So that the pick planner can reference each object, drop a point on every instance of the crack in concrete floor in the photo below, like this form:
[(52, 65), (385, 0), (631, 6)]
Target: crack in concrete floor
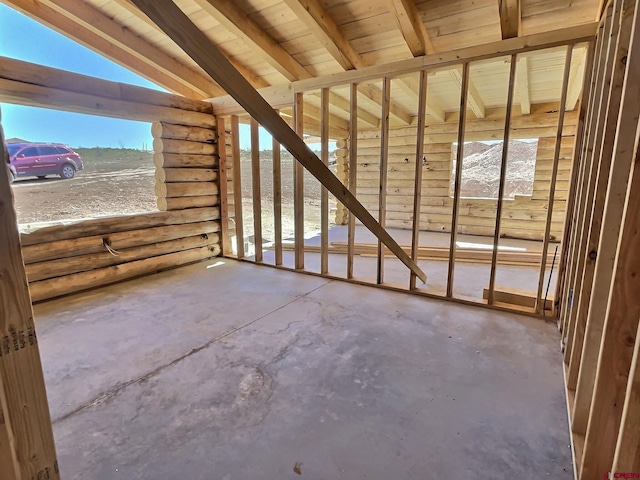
[(119, 388)]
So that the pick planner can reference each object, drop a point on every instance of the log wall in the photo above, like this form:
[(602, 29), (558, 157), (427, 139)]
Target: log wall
[(64, 259), (524, 217)]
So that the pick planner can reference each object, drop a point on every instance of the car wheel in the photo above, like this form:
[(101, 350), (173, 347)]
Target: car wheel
[(68, 171)]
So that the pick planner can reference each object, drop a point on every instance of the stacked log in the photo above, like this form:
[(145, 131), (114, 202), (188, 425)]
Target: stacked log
[(523, 217), (342, 172), (186, 166), (65, 259)]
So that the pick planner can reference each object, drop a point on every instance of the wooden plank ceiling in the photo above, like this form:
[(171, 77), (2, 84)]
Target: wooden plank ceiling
[(274, 42)]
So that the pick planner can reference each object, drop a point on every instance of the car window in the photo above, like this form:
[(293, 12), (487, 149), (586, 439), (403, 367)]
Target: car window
[(30, 152), (13, 148), (47, 150), (63, 151)]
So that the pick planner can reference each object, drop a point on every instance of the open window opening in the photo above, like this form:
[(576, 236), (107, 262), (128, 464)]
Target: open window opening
[(481, 168), (71, 166)]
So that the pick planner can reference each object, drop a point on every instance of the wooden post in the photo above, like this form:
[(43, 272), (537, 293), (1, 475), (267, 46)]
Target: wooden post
[(324, 194), (353, 172), (503, 177), (298, 186), (237, 186), (222, 189), (256, 190), (417, 188), (384, 154), (458, 178), (27, 449), (591, 230), (277, 200), (624, 146), (618, 336), (554, 176)]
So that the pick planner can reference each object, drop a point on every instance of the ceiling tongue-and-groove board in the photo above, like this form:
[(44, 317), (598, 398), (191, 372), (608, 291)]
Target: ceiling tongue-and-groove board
[(275, 42)]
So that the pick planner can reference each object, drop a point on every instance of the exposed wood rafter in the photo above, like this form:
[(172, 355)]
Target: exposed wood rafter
[(522, 80), (375, 95), (254, 79), (314, 16), (312, 13), (237, 22), (178, 26), (510, 18), (344, 105), (91, 28), (412, 27), (411, 86), (474, 100)]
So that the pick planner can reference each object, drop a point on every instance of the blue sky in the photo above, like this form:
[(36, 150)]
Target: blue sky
[(25, 39)]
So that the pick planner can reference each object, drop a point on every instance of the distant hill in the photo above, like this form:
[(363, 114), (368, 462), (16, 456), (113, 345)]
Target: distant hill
[(481, 169)]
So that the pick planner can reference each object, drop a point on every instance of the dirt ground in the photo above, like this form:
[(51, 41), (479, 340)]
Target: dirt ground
[(114, 182), (312, 191), (121, 182)]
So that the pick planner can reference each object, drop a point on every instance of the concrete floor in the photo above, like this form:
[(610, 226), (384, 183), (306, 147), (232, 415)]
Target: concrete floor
[(227, 370), (469, 278)]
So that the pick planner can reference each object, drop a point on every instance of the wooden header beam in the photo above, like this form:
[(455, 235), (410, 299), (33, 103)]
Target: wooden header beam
[(180, 28)]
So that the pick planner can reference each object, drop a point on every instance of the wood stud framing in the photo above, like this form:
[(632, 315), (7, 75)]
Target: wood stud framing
[(599, 308), (256, 190), (464, 90), (277, 201), (193, 178), (324, 194), (237, 186), (353, 172), (384, 153), (503, 177), (298, 185), (556, 156), (417, 195)]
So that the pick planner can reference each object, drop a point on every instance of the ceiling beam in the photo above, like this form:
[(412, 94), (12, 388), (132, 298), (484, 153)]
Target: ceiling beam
[(91, 28), (344, 105), (178, 26), (522, 80), (375, 95), (412, 27), (410, 85), (237, 22), (473, 97), (325, 29), (510, 18), (314, 111), (254, 79)]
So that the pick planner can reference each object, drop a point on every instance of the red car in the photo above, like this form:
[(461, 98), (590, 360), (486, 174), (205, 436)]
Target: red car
[(42, 159)]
